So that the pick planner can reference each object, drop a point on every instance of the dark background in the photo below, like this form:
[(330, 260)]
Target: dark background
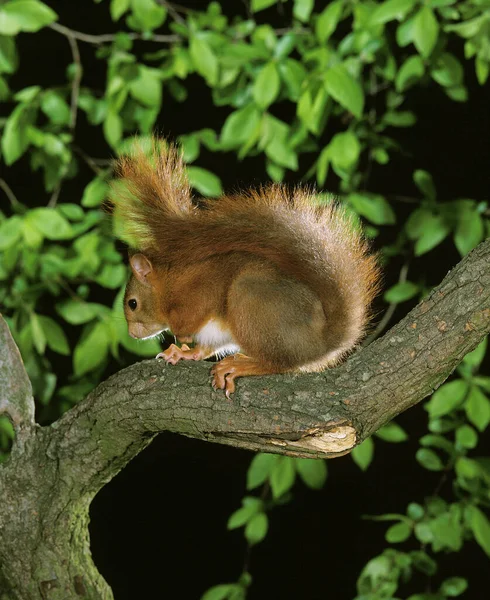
[(159, 528)]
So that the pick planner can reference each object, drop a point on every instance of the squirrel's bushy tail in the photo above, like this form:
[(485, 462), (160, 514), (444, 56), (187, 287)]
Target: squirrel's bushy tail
[(150, 186)]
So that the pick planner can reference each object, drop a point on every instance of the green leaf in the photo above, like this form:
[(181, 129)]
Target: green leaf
[(398, 533), (55, 336), (223, 591), (470, 28), (415, 511), (282, 476), (312, 471), (256, 529), (458, 93), (478, 408), (447, 398), (483, 382), (257, 5), (344, 150), (9, 59), (399, 119), (95, 193), (363, 454), (437, 441), (448, 531), (448, 71), (6, 427), (425, 31), (345, 89), (466, 437), (92, 350), (327, 20), (24, 15), (293, 74), (50, 223), (204, 60), (266, 86), (423, 562), (434, 232), (32, 236), (275, 172), (482, 69), (118, 8), (476, 356), (38, 336), (302, 9), (77, 312), (113, 128), (260, 469), (285, 46), (392, 432), (400, 292), (55, 107), (275, 136), (453, 586), (205, 182), (405, 31), (323, 163), (409, 73), (481, 528), (311, 109), (423, 180), (250, 507), (467, 468), (240, 126), (429, 459), (15, 140), (423, 532), (147, 87), (149, 14), (10, 232), (111, 276), (373, 207), (470, 230), (391, 10)]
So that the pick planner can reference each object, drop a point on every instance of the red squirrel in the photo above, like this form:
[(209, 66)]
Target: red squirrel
[(268, 272)]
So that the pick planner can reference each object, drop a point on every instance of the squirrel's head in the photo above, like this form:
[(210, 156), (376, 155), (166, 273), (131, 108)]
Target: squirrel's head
[(142, 307)]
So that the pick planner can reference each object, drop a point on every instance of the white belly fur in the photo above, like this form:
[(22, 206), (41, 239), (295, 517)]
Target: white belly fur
[(214, 336)]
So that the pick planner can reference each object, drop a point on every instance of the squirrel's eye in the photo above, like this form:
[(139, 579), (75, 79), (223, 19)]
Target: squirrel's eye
[(132, 304)]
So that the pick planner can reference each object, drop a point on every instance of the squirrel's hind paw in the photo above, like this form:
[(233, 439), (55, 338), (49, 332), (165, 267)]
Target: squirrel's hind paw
[(225, 371)]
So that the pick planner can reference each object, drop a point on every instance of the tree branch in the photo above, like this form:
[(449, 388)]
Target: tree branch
[(16, 399), (58, 470), (110, 37)]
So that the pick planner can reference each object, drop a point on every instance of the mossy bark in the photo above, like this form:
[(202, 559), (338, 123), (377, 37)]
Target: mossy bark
[(53, 473)]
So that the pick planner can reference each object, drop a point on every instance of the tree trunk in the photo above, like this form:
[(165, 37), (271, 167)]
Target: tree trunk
[(53, 473)]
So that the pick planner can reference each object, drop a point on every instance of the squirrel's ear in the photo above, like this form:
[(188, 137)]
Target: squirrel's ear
[(141, 267)]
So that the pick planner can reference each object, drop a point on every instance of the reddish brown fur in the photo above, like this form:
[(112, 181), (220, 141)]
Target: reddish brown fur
[(208, 261)]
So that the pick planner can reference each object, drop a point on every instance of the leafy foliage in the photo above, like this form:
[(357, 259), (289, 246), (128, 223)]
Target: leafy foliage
[(344, 74)]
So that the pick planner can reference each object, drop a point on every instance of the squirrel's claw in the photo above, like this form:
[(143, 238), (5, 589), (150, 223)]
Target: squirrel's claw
[(173, 354)]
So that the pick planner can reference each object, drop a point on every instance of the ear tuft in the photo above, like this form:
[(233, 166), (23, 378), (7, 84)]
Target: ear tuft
[(141, 267)]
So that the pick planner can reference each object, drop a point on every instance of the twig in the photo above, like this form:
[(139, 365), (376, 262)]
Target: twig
[(389, 311), (77, 78), (180, 8), (405, 199), (54, 196), (9, 193), (172, 11), (110, 37), (91, 162)]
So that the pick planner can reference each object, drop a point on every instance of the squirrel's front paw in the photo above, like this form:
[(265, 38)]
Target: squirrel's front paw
[(173, 354)]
